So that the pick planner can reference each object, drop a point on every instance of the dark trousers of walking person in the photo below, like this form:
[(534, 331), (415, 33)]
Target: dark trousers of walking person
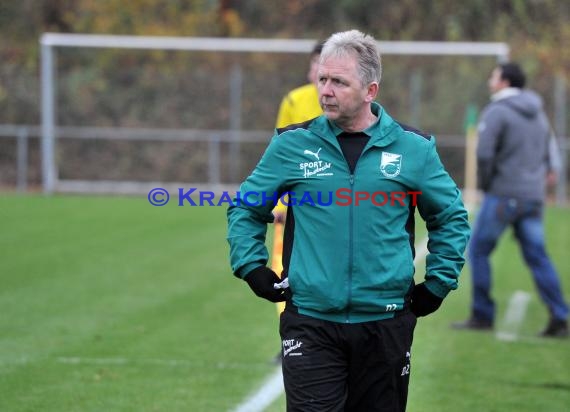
[(526, 217), (346, 367)]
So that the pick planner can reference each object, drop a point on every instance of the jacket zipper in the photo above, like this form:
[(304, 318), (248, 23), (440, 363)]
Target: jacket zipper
[(351, 234), (350, 245)]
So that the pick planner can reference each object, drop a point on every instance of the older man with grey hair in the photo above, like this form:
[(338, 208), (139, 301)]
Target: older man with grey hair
[(355, 178)]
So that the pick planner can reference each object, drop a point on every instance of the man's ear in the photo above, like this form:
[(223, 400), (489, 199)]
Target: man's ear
[(372, 92)]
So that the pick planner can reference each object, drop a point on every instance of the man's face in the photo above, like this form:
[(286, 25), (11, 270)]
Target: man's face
[(495, 82), (341, 93)]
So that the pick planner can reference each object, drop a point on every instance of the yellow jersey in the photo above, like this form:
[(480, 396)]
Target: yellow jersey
[(298, 105)]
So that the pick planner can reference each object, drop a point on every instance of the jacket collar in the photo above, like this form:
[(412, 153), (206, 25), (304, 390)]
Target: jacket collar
[(381, 132), (505, 93)]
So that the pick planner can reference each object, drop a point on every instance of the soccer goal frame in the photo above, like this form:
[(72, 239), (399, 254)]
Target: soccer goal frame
[(50, 42)]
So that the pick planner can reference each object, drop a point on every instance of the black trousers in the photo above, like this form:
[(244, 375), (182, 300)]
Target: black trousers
[(329, 366)]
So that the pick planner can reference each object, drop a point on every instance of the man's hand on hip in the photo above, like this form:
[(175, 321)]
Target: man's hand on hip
[(261, 281), (423, 301)]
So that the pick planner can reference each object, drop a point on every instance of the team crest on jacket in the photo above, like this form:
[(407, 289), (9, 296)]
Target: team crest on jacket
[(390, 164)]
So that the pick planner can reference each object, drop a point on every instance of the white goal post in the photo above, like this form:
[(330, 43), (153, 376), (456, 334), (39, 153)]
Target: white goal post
[(51, 41)]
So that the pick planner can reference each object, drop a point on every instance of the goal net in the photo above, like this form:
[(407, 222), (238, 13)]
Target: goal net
[(128, 113)]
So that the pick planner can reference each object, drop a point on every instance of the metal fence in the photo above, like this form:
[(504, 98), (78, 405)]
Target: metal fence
[(130, 160)]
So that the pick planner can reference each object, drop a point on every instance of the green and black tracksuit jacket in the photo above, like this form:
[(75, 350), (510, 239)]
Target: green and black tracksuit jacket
[(349, 236)]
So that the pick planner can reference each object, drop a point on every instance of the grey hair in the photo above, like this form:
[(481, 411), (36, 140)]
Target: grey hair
[(360, 45)]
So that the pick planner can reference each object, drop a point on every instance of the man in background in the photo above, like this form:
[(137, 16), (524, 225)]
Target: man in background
[(302, 103), (516, 157)]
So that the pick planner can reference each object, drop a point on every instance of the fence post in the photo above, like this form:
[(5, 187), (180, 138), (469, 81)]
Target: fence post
[(470, 183), (22, 159), (214, 164), (48, 117), (236, 85), (416, 80), (560, 128)]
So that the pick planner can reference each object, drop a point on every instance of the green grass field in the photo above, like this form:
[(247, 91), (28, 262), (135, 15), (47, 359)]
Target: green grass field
[(110, 304)]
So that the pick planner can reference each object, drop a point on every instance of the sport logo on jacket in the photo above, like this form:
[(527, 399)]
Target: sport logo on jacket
[(317, 167), (390, 164), (316, 154)]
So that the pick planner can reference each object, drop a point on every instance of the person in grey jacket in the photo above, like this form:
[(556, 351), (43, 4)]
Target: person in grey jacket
[(516, 157)]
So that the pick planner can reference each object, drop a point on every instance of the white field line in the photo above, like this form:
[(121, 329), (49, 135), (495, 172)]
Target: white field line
[(185, 363), (273, 387), (122, 361), (515, 314), (421, 250), (514, 317), (264, 396)]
